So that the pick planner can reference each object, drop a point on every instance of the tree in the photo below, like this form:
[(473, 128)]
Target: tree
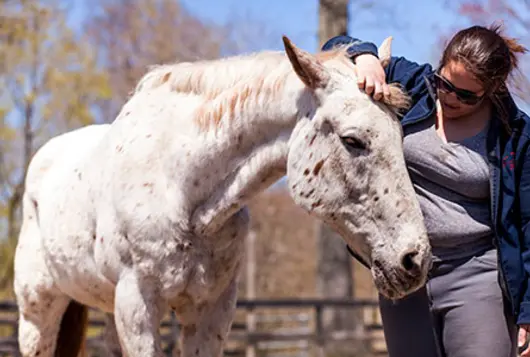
[(49, 81), (333, 19), (133, 38)]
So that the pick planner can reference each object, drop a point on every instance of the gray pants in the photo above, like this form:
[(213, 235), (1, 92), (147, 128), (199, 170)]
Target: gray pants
[(460, 313)]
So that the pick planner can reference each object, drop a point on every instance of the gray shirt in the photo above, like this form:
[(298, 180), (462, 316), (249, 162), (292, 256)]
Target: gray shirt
[(452, 184)]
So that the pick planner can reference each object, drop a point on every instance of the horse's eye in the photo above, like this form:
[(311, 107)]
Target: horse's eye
[(353, 143)]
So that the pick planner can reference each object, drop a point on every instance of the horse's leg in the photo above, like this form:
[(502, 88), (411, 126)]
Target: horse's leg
[(41, 305), (110, 337), (206, 338), (50, 323), (39, 323), (137, 312)]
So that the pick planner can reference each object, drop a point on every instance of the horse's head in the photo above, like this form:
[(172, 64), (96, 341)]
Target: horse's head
[(346, 166)]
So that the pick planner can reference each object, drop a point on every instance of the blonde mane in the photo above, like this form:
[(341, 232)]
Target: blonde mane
[(209, 78), (229, 83)]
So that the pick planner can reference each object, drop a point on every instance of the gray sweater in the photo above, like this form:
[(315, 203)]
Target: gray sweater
[(452, 185)]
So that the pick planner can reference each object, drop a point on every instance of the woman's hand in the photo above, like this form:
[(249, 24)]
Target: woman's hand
[(522, 340), (371, 76)]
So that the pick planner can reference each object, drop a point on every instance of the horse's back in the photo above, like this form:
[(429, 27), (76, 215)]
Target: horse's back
[(31, 270), (60, 151)]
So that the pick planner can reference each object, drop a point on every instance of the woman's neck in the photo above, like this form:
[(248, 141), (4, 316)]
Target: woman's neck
[(456, 129)]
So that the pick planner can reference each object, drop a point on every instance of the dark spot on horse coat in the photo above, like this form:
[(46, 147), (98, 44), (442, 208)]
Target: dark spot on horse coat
[(312, 139), (385, 191), (306, 172), (316, 204), (317, 167), (196, 183)]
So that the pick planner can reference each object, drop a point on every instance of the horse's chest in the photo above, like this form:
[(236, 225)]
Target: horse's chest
[(207, 276), (196, 268)]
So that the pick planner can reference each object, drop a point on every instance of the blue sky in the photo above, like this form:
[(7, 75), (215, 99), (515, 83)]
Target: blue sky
[(415, 27), (414, 24)]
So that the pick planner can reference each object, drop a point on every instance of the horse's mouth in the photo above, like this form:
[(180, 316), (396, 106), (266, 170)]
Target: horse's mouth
[(393, 285)]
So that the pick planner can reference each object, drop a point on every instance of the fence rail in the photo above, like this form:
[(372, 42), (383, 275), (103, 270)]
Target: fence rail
[(294, 331)]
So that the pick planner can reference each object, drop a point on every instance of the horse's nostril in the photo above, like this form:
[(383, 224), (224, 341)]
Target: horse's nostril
[(409, 261)]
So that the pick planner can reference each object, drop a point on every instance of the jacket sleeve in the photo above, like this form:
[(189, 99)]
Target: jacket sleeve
[(400, 70), (524, 199)]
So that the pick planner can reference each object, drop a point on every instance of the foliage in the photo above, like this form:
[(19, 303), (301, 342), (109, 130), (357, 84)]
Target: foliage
[(133, 38), (49, 81)]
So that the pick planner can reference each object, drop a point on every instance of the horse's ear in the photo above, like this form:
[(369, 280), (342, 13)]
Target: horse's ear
[(385, 51), (306, 66)]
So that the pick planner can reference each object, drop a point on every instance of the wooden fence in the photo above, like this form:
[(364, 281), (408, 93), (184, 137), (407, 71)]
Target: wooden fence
[(282, 327)]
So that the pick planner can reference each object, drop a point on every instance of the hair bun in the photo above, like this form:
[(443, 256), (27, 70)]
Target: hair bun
[(514, 47)]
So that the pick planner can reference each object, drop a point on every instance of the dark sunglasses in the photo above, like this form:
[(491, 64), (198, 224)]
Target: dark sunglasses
[(464, 96)]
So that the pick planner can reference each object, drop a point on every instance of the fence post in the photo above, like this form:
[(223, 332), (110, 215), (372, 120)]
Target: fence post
[(251, 292), (319, 330)]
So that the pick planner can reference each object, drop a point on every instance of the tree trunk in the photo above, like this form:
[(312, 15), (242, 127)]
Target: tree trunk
[(332, 19)]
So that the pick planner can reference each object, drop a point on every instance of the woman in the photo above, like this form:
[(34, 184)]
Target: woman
[(466, 147)]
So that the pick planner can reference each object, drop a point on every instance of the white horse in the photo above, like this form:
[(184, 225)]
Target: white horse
[(149, 213)]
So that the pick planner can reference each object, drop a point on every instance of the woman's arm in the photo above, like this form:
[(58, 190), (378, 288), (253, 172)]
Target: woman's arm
[(400, 70), (524, 199), (523, 319)]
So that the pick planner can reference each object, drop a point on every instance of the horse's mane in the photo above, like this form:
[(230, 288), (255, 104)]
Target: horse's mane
[(211, 77), (243, 78)]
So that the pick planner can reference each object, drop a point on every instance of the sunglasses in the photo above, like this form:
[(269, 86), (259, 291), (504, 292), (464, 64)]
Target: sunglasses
[(464, 96)]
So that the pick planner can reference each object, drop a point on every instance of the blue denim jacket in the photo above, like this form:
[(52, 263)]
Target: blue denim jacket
[(509, 161)]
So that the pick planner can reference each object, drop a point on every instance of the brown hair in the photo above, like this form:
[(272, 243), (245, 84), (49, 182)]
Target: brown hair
[(489, 56)]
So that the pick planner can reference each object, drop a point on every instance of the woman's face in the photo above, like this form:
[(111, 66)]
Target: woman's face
[(459, 92)]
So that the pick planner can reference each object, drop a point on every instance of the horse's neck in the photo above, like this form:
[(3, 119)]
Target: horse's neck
[(254, 154)]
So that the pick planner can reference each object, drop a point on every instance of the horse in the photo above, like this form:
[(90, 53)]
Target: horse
[(149, 213)]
